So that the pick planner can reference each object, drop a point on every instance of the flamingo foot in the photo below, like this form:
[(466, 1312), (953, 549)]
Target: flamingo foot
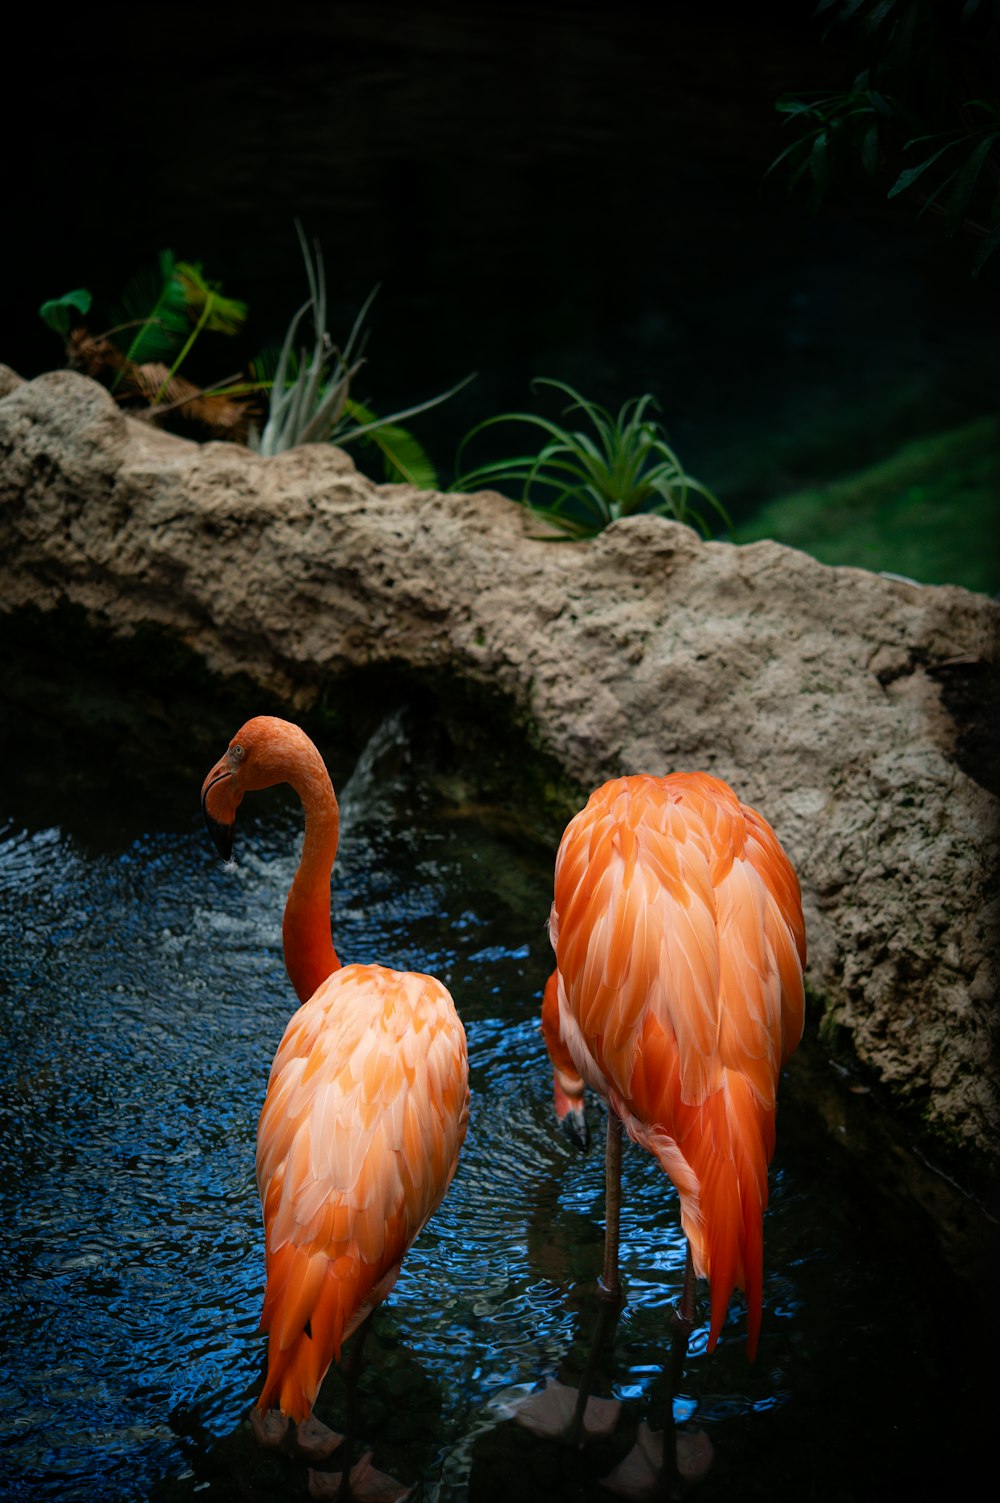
[(366, 1484), (314, 1440), (639, 1477), (549, 1413), (270, 1427)]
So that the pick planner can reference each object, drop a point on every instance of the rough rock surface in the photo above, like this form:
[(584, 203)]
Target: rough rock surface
[(843, 704)]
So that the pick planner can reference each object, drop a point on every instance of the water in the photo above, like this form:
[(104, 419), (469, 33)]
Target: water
[(143, 998)]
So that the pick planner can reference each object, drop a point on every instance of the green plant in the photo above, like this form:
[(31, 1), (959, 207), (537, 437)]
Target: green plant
[(968, 151), (157, 319), (310, 390), (204, 302), (58, 311), (912, 111), (403, 456), (834, 129), (624, 467)]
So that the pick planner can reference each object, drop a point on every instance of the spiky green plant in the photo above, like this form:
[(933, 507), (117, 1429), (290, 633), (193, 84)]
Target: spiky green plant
[(310, 389), (588, 480), (403, 457)]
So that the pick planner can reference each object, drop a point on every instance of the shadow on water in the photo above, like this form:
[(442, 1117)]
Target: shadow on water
[(144, 996)]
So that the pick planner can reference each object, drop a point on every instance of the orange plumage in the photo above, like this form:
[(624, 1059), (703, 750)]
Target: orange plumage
[(365, 1113), (679, 940), (368, 1100)]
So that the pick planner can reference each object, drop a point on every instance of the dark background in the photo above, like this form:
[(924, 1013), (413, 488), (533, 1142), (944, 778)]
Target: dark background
[(563, 190)]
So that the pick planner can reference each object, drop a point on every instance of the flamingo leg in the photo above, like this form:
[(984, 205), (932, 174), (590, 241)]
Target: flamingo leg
[(358, 1481), (560, 1412), (661, 1468), (352, 1372), (683, 1320), (609, 1289)]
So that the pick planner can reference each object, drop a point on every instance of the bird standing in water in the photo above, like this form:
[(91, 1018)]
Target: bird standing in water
[(679, 941), (365, 1112)]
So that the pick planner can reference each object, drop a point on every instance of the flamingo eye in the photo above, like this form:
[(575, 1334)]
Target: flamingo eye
[(237, 752)]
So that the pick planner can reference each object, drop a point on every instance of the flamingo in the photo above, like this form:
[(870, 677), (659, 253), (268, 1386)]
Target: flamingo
[(679, 940), (365, 1113)]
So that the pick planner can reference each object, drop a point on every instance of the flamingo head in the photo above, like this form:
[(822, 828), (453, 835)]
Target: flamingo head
[(256, 757)]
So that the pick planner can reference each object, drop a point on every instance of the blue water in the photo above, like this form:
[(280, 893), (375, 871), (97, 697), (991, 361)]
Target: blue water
[(143, 998)]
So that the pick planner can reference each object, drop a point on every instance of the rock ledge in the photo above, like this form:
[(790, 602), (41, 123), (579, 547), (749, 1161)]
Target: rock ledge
[(847, 706)]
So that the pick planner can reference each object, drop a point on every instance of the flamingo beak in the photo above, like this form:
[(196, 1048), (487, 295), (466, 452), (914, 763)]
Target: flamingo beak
[(219, 807)]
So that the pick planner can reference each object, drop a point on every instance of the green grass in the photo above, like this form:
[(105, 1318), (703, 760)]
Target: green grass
[(931, 512)]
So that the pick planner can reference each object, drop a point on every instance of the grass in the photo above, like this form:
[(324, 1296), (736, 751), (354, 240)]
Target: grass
[(930, 512)]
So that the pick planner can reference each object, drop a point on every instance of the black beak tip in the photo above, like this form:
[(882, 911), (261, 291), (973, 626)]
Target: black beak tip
[(220, 831), (222, 835)]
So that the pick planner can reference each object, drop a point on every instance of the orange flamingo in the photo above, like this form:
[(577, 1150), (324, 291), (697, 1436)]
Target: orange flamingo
[(679, 941), (365, 1113)]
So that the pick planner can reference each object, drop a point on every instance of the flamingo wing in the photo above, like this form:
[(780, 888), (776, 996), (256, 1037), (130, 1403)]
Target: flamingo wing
[(365, 1114), (679, 946)]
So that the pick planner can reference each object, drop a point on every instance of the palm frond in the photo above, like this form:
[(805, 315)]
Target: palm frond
[(403, 456), (153, 305), (205, 302), (204, 299)]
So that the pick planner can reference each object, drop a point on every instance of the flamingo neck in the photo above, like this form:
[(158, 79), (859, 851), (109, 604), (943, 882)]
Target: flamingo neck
[(308, 943)]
